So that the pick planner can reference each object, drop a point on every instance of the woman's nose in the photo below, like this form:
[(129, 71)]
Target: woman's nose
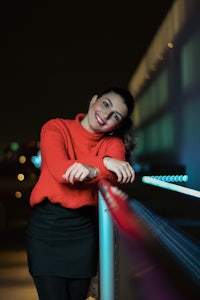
[(106, 114)]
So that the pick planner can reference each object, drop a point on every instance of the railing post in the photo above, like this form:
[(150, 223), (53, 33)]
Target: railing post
[(106, 248)]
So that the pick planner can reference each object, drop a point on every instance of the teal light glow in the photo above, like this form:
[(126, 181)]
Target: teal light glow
[(170, 186), (36, 159), (171, 178)]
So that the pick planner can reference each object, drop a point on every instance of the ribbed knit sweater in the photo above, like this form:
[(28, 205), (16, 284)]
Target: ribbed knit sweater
[(63, 142)]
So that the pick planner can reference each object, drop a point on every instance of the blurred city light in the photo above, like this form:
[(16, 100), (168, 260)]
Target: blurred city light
[(36, 159), (20, 177), (170, 186), (22, 159)]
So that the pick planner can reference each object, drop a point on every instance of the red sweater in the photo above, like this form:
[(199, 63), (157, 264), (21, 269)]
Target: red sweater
[(63, 142)]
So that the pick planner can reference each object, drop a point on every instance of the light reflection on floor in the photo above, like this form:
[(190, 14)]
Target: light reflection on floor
[(15, 281)]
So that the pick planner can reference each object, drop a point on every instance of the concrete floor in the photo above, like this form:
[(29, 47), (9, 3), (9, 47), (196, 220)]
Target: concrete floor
[(15, 281)]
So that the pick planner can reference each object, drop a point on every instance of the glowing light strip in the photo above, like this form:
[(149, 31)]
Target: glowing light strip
[(184, 249), (171, 186), (171, 178)]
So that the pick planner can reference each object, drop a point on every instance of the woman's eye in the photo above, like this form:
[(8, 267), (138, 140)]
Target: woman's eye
[(105, 104), (116, 117)]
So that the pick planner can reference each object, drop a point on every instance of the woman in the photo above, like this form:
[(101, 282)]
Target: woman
[(62, 234)]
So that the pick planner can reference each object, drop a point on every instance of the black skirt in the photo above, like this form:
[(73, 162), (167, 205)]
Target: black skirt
[(61, 241)]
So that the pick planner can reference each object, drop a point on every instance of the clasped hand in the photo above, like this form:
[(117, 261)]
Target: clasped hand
[(78, 172), (123, 170)]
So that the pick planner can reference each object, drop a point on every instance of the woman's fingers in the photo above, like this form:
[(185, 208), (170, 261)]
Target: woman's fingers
[(76, 172), (125, 173)]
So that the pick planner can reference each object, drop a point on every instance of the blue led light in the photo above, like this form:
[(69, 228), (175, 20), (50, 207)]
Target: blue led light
[(170, 186), (36, 160), (171, 178)]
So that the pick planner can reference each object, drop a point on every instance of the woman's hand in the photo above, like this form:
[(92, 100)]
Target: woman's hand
[(79, 172), (123, 170)]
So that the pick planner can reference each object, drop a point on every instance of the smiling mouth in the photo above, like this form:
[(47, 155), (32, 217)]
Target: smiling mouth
[(99, 120)]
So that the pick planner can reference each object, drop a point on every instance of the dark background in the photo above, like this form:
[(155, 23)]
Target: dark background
[(55, 56)]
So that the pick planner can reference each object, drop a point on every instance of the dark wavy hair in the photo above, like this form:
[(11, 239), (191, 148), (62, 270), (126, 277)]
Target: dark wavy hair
[(126, 130)]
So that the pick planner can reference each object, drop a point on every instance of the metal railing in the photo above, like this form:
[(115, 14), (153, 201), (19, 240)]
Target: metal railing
[(146, 271)]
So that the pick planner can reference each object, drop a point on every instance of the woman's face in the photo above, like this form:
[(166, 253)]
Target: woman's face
[(106, 113)]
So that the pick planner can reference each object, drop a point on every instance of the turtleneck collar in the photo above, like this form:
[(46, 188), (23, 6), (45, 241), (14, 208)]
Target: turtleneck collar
[(83, 131)]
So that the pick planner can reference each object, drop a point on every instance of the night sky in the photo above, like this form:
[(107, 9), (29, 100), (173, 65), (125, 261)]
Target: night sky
[(55, 57)]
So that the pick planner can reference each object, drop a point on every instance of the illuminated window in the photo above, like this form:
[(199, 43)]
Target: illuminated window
[(153, 98), (189, 56)]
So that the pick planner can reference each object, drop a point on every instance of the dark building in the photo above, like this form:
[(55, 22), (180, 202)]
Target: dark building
[(167, 90)]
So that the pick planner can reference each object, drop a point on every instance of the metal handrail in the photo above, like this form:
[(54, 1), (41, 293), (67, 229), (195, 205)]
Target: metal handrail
[(106, 248)]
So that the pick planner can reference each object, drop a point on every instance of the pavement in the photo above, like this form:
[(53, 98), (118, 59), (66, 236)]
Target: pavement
[(15, 281)]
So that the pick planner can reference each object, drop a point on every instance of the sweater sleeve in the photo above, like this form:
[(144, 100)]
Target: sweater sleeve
[(112, 147), (54, 152)]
